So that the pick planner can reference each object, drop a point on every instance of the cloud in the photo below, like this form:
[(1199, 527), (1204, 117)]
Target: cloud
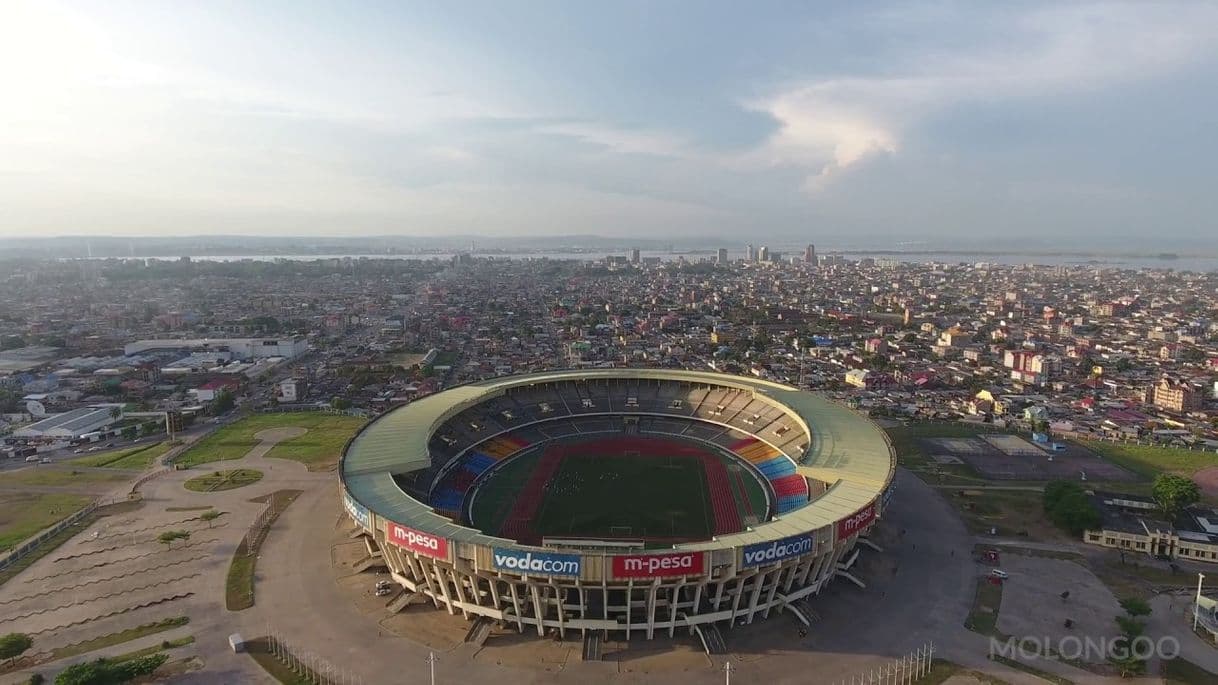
[(827, 125), (619, 139)]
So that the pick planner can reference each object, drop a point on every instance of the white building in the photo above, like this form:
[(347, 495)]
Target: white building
[(239, 348), (291, 390), (72, 424)]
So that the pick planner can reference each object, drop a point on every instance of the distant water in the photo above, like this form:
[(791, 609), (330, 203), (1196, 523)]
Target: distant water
[(1201, 264)]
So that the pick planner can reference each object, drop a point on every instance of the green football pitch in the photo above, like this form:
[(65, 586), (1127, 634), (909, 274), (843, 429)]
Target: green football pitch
[(657, 495)]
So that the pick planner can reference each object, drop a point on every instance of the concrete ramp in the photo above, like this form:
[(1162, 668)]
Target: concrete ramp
[(369, 563), (592, 645), (479, 631)]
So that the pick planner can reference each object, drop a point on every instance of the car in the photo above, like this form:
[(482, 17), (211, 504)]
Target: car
[(999, 573), (109, 444), (45, 460), (94, 448), (31, 458), (78, 451)]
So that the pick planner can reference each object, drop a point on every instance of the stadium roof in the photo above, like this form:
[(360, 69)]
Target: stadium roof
[(847, 451)]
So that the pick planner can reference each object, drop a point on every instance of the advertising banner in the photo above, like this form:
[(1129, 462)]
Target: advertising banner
[(358, 511), (850, 526), (416, 541), (773, 552), (535, 563), (658, 565)]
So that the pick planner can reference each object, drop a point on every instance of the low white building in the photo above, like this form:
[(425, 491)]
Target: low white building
[(71, 424), (239, 348)]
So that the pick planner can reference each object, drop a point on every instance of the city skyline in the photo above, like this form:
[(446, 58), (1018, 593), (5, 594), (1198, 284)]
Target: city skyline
[(1038, 125)]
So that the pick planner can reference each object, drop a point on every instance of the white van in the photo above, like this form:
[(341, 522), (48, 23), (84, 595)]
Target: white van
[(31, 458)]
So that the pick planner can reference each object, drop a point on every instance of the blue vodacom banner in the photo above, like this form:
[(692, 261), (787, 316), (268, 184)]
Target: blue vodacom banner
[(773, 552), (358, 511), (536, 563)]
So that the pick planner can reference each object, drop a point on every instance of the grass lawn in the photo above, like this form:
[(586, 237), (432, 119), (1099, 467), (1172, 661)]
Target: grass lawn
[(1149, 461), (51, 476), (140, 457), (120, 637), (24, 514), (319, 448), (1180, 672), (167, 644), (1015, 513), (223, 480), (984, 616), (259, 650)]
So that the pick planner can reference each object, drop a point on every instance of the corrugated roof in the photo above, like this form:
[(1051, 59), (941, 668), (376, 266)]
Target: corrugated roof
[(847, 450)]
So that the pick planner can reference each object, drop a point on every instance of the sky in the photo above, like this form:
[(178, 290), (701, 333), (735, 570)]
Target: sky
[(905, 124)]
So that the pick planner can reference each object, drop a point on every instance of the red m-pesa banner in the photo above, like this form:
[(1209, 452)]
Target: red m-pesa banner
[(658, 565), (416, 541), (856, 522)]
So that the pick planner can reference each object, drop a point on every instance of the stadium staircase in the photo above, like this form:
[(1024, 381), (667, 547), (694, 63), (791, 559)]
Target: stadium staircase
[(368, 563), (400, 601), (479, 631), (593, 639), (712, 639)]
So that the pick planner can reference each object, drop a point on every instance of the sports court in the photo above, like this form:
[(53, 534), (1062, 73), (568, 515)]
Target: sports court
[(660, 490), (1011, 457)]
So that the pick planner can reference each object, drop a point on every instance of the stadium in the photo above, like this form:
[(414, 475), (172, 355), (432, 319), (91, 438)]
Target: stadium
[(617, 501)]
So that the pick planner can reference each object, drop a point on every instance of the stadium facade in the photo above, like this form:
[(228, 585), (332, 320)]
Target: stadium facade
[(409, 476)]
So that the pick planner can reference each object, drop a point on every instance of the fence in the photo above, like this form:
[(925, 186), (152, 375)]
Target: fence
[(15, 554), (908, 669), (306, 664), (259, 528)]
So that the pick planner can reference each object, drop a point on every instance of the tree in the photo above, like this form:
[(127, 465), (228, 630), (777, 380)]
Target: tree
[(223, 402), (340, 403), (1135, 606), (167, 538), (105, 672), (1069, 508), (1174, 493), (116, 413), (209, 516), (14, 645)]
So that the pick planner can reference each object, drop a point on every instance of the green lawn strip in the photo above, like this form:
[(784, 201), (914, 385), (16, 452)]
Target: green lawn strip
[(25, 514), (223, 480), (1032, 670), (135, 457), (983, 617), (167, 644), (54, 476), (51, 544), (118, 638), (327, 435), (259, 650), (1181, 672), (239, 583), (941, 671), (1149, 461)]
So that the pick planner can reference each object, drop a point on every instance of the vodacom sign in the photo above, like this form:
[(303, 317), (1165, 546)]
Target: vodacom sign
[(416, 541)]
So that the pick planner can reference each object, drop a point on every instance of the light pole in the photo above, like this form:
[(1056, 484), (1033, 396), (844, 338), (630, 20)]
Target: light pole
[(431, 660), (1197, 601), (727, 673)]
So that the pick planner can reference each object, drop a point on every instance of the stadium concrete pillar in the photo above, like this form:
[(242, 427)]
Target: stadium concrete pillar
[(719, 593), (769, 599), (583, 607), (448, 600), (516, 607), (494, 583), (459, 587), (698, 597), (629, 602), (758, 582), (736, 599), (537, 611), (651, 607), (672, 607), (562, 614)]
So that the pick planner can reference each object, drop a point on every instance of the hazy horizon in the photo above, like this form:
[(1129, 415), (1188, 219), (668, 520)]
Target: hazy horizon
[(1034, 124)]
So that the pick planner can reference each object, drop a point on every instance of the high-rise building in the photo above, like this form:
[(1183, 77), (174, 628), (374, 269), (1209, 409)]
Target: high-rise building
[(750, 253), (763, 254), (810, 254), (634, 256), (721, 256)]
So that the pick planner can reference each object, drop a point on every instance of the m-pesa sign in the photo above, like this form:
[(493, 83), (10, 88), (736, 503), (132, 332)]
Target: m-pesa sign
[(424, 543), (658, 565), (849, 526)]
